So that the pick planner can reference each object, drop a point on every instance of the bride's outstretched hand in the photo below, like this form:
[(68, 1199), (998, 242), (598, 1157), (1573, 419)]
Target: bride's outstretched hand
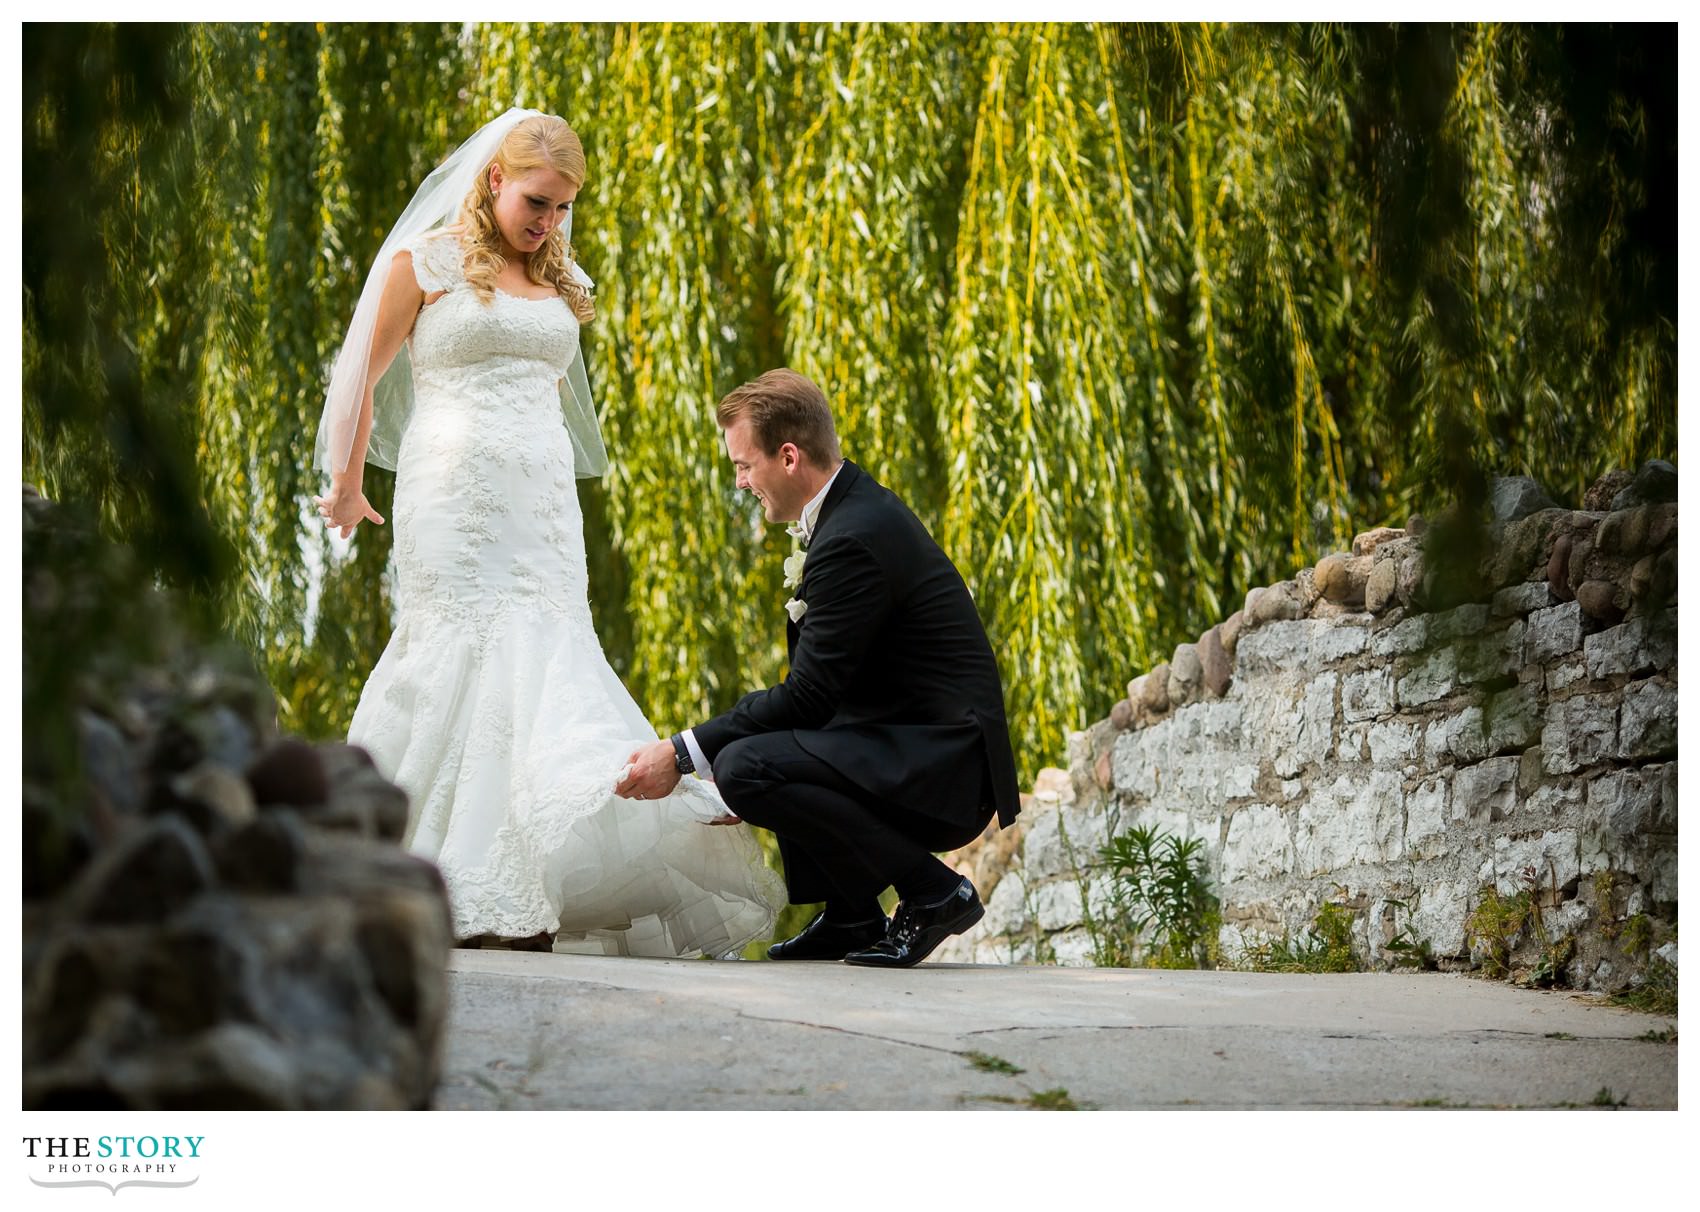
[(344, 509)]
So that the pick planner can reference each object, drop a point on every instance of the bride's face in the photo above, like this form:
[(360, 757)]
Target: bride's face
[(531, 205)]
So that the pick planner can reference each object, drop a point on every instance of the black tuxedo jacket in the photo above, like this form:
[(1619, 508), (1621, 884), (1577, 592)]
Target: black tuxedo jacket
[(892, 680)]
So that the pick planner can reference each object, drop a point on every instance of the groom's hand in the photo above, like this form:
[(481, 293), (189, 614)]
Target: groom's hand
[(651, 773)]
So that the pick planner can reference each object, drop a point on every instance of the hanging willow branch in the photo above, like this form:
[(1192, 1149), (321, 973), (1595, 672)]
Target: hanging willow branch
[(1134, 317)]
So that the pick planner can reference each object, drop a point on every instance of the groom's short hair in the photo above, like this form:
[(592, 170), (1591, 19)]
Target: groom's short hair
[(783, 406)]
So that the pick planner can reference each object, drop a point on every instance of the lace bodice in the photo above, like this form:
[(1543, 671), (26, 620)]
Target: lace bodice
[(491, 351)]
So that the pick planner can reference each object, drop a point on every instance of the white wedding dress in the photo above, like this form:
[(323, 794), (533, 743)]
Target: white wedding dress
[(493, 705)]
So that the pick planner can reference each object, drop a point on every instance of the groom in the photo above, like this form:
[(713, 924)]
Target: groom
[(887, 740)]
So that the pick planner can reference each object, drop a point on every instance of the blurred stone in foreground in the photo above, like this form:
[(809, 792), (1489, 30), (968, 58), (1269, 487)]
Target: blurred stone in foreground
[(214, 917)]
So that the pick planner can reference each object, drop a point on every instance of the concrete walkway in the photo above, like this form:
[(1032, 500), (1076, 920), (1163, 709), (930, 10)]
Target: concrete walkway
[(556, 1031)]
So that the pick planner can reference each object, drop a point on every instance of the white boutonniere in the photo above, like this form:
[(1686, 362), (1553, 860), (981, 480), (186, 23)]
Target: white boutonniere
[(794, 568), (795, 608)]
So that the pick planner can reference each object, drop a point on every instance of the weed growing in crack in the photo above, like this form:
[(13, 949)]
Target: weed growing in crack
[(1053, 1100), (987, 1063)]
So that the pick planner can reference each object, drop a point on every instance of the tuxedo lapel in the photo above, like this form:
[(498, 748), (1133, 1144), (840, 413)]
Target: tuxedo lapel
[(847, 475)]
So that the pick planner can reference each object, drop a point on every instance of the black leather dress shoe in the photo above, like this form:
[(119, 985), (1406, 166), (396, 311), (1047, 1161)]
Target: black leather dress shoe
[(824, 940), (915, 933)]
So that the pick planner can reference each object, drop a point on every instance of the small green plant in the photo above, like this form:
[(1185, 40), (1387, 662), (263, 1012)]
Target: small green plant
[(1637, 938), (1605, 884), (1161, 890), (1665, 1035), (1052, 1100), (1559, 1035), (1325, 947), (1555, 958), (1408, 950), (1654, 995), (1044, 1100), (1556, 954), (1603, 1097), (987, 1063), (1496, 922)]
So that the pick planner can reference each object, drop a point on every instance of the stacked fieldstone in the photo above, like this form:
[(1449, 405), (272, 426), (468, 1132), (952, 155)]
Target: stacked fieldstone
[(214, 917), (1359, 734)]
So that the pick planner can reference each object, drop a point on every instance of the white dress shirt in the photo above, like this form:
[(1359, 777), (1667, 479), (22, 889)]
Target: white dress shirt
[(804, 529)]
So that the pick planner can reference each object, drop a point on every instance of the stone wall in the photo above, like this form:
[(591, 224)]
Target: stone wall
[(1362, 734), (214, 916)]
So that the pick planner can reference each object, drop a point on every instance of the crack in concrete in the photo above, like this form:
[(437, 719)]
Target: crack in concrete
[(884, 1039), (1477, 1033)]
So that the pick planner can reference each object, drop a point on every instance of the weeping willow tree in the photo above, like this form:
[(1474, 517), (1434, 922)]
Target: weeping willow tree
[(1134, 317)]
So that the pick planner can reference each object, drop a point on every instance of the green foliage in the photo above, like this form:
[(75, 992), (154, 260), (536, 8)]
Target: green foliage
[(1550, 967), (1656, 994), (117, 284), (1325, 947), (1637, 937), (1605, 888), (1052, 1100), (1498, 922), (1152, 905), (1136, 317), (987, 1063), (1038, 1100), (1495, 923), (1407, 950), (1160, 890)]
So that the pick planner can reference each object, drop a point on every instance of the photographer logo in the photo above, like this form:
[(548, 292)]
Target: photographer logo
[(113, 1162)]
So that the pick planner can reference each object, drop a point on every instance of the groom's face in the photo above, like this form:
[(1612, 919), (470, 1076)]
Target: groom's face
[(773, 479)]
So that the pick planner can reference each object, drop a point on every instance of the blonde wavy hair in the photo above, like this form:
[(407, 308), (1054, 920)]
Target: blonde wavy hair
[(541, 142)]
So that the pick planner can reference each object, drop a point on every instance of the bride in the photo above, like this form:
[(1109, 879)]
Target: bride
[(493, 705)]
